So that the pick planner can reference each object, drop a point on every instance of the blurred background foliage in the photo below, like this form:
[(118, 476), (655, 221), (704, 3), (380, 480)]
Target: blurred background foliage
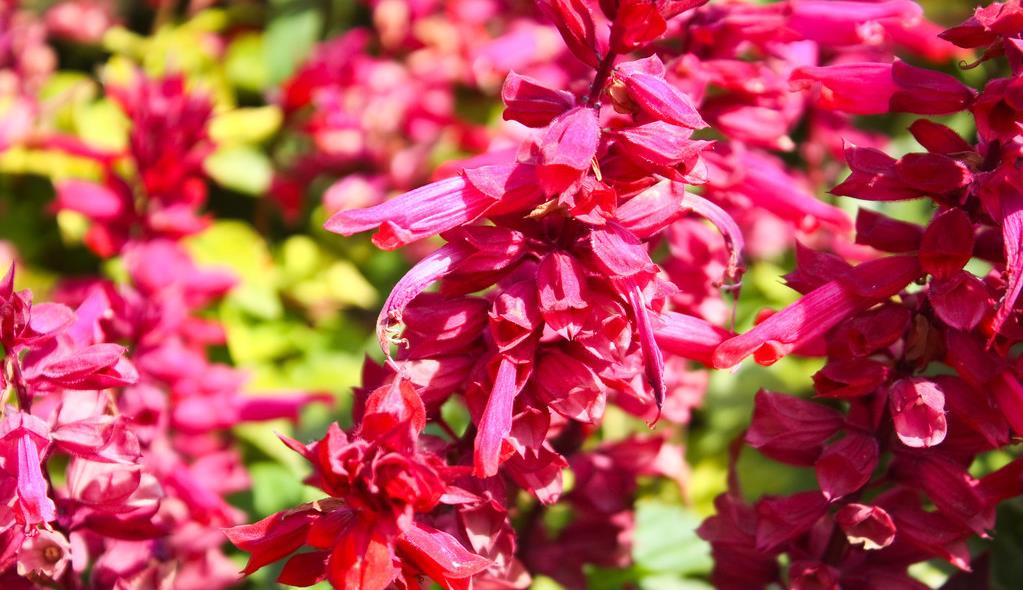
[(302, 315)]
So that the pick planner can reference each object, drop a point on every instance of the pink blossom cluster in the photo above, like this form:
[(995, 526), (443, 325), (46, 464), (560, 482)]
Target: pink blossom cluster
[(582, 259), (26, 61), (920, 377), (116, 471), (555, 299), (377, 103)]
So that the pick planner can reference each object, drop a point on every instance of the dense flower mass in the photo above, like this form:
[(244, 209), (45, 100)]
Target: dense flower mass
[(917, 347), (577, 314), (593, 201)]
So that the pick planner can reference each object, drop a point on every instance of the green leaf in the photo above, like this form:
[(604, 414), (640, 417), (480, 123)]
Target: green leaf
[(236, 246), (545, 583), (274, 487), (64, 94), (102, 124), (242, 169), (666, 541), (598, 578), (668, 582), (246, 64), (300, 257), (338, 372), (1007, 547), (254, 341), (246, 125), (348, 286), (72, 225), (290, 37), (263, 436)]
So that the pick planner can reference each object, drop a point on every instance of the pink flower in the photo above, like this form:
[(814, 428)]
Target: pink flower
[(440, 556), (531, 103), (23, 441), (688, 336), (865, 525), (851, 22), (875, 88), (850, 378), (856, 88), (656, 96), (565, 150), (845, 466), (961, 300), (819, 311), (947, 244), (763, 181), (782, 519), (423, 212), (575, 22), (813, 576), (570, 387), (496, 422), (376, 490), (661, 145), (790, 429), (918, 410), (563, 293), (44, 554)]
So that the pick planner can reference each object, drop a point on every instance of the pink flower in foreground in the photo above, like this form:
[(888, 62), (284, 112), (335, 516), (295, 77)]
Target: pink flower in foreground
[(819, 310), (875, 88), (376, 490), (918, 410)]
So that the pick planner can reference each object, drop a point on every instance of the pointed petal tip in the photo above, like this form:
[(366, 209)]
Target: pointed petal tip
[(347, 223), (7, 283)]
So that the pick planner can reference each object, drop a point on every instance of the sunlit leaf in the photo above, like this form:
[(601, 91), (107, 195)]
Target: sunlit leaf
[(242, 169)]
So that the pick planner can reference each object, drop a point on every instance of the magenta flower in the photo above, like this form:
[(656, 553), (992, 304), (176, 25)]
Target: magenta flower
[(23, 440), (961, 301), (819, 311), (44, 555), (531, 103), (855, 88), (865, 525), (421, 213), (367, 521), (566, 148), (845, 466), (563, 293), (646, 87), (662, 145), (875, 88), (851, 22), (570, 387), (789, 429), (781, 519), (574, 20), (496, 422)]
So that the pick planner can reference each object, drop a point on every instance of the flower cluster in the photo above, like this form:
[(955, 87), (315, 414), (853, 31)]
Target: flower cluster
[(569, 321), (149, 464), (58, 372), (558, 236), (376, 104), (919, 378), (551, 304), (579, 187), (26, 61)]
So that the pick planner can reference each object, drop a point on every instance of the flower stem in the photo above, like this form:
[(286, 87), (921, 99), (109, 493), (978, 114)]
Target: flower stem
[(600, 79)]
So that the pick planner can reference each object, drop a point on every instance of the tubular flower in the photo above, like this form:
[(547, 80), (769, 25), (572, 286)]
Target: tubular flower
[(915, 344), (549, 308), (376, 492), (563, 272)]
